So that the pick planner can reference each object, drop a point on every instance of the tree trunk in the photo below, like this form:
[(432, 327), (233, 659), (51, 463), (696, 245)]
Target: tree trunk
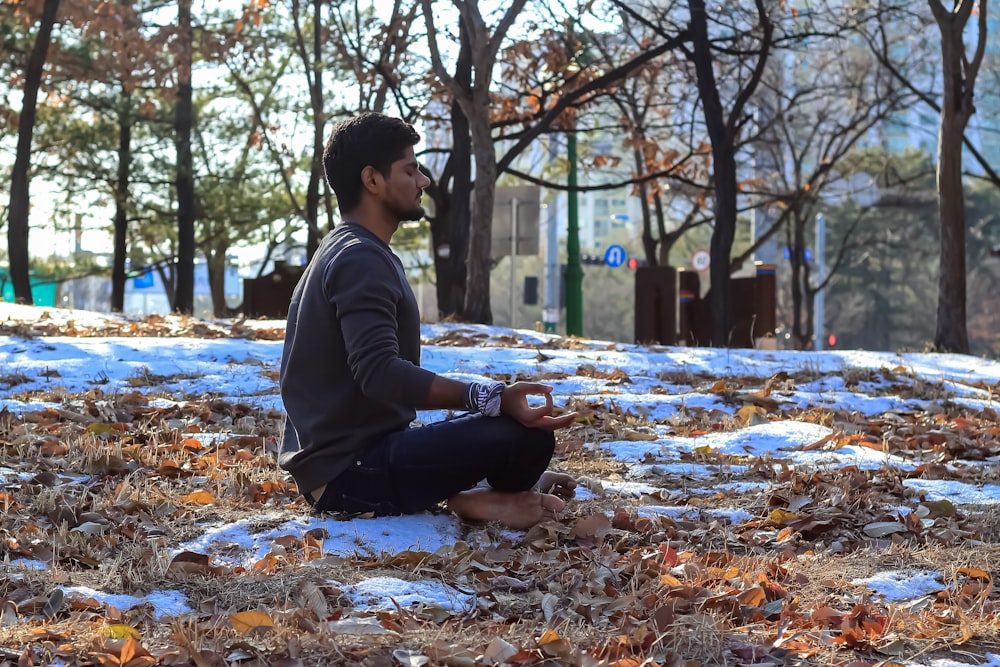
[(801, 292), (459, 222), (667, 239), (121, 203), (956, 108), (183, 121), (215, 259), (951, 333), (453, 279), (319, 122), (168, 277), (452, 223), (17, 212), (649, 243), (723, 235), (723, 174), (477, 290)]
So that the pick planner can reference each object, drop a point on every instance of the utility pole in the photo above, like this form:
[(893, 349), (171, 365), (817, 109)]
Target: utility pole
[(574, 272), (513, 258), (550, 314), (819, 299)]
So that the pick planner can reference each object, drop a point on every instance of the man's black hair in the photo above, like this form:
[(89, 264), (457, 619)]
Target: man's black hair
[(368, 139)]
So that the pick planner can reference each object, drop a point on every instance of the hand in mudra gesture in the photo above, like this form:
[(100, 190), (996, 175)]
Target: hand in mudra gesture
[(514, 404)]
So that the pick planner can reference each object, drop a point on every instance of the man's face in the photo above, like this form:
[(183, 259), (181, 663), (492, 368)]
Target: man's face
[(405, 187)]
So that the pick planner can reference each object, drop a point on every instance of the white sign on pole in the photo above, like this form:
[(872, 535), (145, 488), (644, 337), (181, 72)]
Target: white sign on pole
[(701, 260)]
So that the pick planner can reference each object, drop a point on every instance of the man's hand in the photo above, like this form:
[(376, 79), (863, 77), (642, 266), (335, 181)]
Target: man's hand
[(514, 404)]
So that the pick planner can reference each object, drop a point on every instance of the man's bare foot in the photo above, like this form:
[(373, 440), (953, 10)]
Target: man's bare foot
[(515, 510), (557, 483)]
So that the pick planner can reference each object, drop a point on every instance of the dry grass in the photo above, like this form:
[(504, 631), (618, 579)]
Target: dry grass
[(105, 498)]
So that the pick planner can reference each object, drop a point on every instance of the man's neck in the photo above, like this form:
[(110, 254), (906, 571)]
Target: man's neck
[(375, 222)]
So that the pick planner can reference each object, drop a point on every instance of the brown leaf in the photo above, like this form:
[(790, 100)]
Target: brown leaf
[(247, 622), (753, 597), (189, 562), (592, 526), (555, 646)]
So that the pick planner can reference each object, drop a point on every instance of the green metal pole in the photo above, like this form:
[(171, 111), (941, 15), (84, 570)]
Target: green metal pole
[(574, 271)]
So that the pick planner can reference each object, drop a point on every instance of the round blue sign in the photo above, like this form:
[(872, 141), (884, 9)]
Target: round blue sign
[(615, 255)]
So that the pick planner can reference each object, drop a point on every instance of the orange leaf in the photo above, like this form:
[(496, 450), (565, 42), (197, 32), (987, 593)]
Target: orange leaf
[(975, 573), (130, 649), (548, 637), (748, 412), (311, 548), (669, 580), (266, 564), (246, 622), (199, 497), (754, 597)]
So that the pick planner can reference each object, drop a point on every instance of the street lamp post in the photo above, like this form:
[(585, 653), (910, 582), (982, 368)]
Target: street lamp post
[(574, 272)]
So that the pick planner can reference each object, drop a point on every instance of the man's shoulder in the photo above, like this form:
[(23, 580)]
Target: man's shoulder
[(353, 236), (343, 240), (355, 252)]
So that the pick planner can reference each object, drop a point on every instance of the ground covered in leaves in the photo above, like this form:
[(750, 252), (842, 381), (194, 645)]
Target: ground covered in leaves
[(760, 564)]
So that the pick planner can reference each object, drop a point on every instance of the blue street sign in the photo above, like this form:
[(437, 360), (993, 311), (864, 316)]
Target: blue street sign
[(615, 255), (145, 281)]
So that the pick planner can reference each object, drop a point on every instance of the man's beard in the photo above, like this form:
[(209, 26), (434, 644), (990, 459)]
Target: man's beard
[(416, 213)]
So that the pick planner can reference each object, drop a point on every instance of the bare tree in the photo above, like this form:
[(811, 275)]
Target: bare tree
[(311, 54), (183, 122), (474, 100), (724, 127), (568, 89), (450, 221), (665, 170), (740, 55), (957, 107), (17, 215), (808, 126)]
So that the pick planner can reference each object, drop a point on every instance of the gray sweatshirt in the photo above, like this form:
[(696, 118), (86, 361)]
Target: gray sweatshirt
[(350, 365)]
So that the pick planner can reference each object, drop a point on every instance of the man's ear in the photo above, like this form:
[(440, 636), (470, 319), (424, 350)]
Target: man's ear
[(370, 179)]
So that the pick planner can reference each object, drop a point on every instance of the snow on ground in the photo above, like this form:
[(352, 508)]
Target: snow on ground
[(663, 383)]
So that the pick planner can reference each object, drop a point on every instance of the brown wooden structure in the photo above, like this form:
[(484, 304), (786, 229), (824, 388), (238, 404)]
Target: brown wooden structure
[(268, 296), (670, 311)]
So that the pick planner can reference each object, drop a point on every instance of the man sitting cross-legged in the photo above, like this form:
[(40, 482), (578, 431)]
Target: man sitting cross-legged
[(351, 380)]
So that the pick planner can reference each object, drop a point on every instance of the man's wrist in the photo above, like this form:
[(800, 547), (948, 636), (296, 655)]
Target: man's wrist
[(484, 398)]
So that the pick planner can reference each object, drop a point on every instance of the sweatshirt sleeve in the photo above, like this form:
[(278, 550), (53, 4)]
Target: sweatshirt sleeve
[(363, 287)]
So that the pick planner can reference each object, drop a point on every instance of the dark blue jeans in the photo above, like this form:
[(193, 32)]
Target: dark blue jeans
[(413, 470)]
